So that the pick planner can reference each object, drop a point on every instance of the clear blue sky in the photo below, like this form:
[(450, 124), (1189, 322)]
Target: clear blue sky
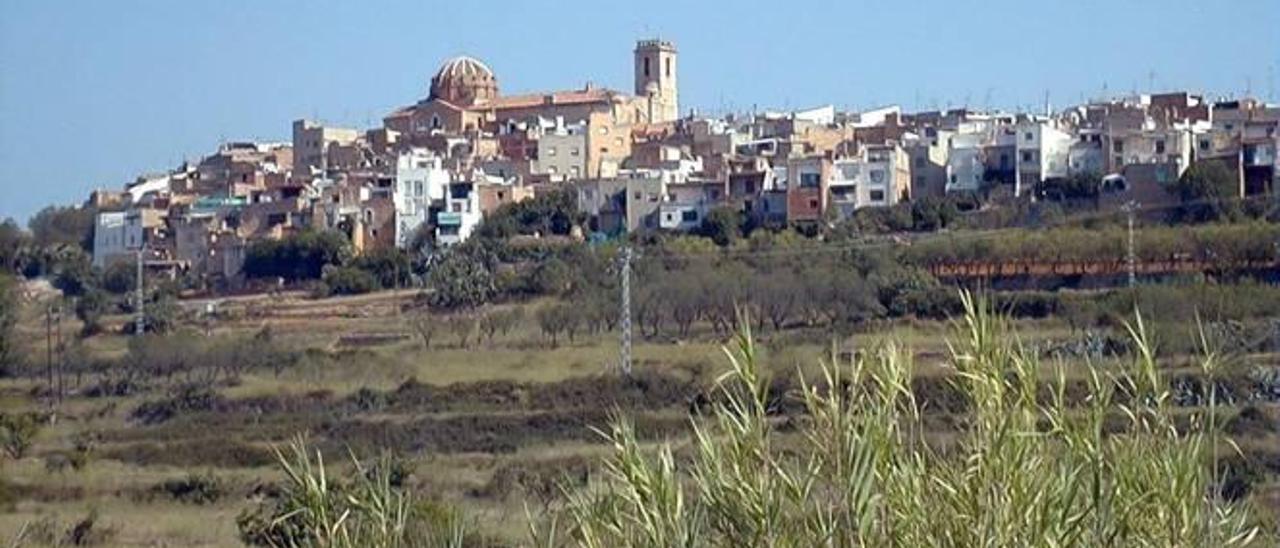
[(94, 92)]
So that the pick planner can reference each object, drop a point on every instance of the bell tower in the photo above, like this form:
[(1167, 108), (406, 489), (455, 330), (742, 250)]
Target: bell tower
[(655, 77)]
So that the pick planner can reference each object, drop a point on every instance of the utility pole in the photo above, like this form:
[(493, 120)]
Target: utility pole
[(625, 323), (140, 322), (1129, 208), (62, 359), (48, 350)]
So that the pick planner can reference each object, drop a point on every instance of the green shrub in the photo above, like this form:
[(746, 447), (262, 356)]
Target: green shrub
[(198, 489), (17, 432), (347, 280)]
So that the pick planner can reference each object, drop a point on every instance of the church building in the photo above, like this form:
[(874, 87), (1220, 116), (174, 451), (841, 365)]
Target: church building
[(464, 101)]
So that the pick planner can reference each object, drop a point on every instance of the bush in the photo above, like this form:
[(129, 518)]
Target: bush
[(390, 266), (198, 489), (17, 432), (9, 310), (462, 279), (64, 226), (546, 213), (297, 257), (347, 280)]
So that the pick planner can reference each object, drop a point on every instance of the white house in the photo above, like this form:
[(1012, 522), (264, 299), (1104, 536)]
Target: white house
[(108, 237), (421, 180), (876, 177), (965, 168), (1043, 152), (460, 213)]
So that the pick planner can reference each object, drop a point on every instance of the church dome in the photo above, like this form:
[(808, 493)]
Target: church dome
[(464, 81)]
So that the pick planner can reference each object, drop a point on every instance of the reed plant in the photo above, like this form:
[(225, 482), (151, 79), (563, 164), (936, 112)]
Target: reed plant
[(1027, 469)]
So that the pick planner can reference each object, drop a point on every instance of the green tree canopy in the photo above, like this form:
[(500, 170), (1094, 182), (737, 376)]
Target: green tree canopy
[(298, 257), (58, 225), (1208, 192)]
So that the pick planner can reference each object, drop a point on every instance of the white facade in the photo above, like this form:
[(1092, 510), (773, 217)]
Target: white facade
[(1043, 152), (460, 215), (869, 180), (421, 180), (109, 237), (158, 184), (683, 216), (965, 169)]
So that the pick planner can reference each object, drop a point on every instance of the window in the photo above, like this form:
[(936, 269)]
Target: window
[(1160, 146), (435, 121), (953, 178), (551, 170), (813, 204), (551, 152), (689, 216), (1117, 146), (877, 176), (604, 130), (1118, 161), (810, 180), (575, 151), (668, 66), (573, 170), (1026, 156), (417, 188), (1028, 136), (847, 171), (1204, 144), (1230, 127), (919, 161), (646, 67), (877, 195)]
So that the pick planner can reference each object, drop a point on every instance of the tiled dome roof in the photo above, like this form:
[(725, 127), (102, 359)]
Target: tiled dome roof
[(463, 66), (464, 80)]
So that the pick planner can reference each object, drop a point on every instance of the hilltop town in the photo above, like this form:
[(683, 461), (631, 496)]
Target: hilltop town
[(596, 317), (634, 161)]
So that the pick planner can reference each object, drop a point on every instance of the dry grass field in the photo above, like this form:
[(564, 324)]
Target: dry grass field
[(495, 427)]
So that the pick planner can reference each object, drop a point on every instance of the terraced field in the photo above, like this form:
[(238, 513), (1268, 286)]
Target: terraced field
[(496, 427)]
